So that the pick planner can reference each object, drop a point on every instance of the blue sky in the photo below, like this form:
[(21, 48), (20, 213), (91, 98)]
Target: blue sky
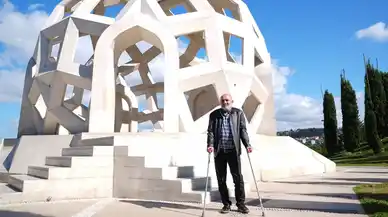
[(313, 39), (317, 39)]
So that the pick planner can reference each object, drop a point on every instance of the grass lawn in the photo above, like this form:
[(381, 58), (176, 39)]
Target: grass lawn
[(362, 159), (364, 156), (374, 198)]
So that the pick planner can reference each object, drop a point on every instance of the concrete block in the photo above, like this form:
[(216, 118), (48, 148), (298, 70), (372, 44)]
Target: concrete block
[(89, 151), (47, 172), (99, 187), (67, 161), (167, 173), (99, 141), (189, 197), (47, 145), (4, 152), (137, 176), (178, 185), (215, 194), (198, 183), (126, 161)]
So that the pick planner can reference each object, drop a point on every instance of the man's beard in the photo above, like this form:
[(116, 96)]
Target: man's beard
[(227, 108)]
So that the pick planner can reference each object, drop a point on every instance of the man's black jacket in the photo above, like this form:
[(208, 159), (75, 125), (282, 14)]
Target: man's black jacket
[(239, 129)]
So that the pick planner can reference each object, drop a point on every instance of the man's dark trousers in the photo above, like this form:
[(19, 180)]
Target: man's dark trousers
[(221, 161)]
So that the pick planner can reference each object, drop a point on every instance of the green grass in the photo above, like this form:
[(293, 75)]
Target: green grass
[(363, 156), (373, 198)]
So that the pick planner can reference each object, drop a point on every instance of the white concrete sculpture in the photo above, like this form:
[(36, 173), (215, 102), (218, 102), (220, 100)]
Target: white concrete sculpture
[(87, 142), (194, 78)]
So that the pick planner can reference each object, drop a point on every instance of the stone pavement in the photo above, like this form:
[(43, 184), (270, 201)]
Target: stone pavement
[(327, 195)]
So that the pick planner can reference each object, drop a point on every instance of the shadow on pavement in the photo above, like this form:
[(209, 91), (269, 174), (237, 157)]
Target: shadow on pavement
[(372, 172), (336, 195), (168, 206), (318, 182), (7, 213), (333, 207), (361, 179)]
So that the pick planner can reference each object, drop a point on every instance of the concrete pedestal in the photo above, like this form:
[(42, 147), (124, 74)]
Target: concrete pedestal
[(158, 166)]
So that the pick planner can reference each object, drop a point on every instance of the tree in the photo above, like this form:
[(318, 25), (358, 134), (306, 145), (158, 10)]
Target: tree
[(377, 95), (350, 116), (373, 138), (362, 132), (330, 124), (371, 132), (384, 78)]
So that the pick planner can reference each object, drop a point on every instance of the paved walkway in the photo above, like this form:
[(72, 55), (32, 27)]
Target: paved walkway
[(328, 195)]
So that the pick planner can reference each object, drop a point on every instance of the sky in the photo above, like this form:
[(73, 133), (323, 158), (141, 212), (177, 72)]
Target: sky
[(310, 43)]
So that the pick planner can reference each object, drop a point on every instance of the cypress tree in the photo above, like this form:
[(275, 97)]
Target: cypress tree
[(384, 78), (362, 132), (370, 121), (350, 121), (377, 95), (330, 124), (372, 136)]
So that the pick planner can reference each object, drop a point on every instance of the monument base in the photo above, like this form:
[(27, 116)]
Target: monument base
[(152, 166)]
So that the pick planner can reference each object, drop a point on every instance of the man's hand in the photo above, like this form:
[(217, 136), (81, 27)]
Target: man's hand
[(210, 149), (249, 149)]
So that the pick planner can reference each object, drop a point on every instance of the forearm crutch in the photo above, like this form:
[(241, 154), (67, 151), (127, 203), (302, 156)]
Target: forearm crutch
[(257, 189), (207, 181)]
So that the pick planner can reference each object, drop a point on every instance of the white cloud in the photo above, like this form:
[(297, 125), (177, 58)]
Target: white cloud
[(35, 7), (18, 33), (292, 110), (295, 111), (377, 32), (11, 85)]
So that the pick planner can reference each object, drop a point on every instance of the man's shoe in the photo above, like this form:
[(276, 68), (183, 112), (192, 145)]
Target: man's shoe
[(225, 209), (242, 209)]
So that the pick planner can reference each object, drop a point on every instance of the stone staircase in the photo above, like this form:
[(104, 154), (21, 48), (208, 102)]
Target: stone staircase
[(80, 173), (101, 171)]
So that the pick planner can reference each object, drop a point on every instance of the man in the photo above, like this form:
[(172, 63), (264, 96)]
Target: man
[(226, 128)]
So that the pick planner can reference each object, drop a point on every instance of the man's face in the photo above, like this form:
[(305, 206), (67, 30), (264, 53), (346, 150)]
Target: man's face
[(226, 102)]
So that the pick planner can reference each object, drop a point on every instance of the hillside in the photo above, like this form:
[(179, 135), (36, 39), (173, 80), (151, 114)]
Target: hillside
[(300, 133)]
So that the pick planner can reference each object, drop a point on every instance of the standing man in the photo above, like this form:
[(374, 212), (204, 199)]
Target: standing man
[(226, 128)]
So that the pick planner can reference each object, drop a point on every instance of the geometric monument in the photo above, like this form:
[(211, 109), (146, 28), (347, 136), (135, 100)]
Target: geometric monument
[(191, 85), (82, 119)]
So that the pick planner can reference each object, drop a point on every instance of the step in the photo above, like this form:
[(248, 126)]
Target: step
[(173, 186), (7, 189), (81, 188), (100, 141), (89, 151), (193, 184), (51, 172), (77, 161), (18, 182), (129, 161), (4, 176), (215, 195), (167, 173), (187, 197)]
